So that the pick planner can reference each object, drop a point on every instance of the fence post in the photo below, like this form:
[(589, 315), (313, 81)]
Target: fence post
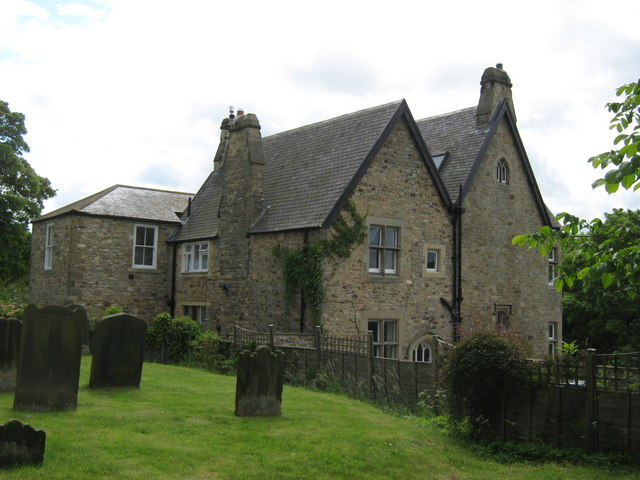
[(235, 338), (271, 340), (370, 361), (590, 379)]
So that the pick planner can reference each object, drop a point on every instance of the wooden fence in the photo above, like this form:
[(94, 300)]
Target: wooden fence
[(590, 401)]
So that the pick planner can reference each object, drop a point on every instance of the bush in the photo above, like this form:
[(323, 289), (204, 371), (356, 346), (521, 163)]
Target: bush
[(174, 334), (14, 297), (113, 309), (478, 372), (210, 352)]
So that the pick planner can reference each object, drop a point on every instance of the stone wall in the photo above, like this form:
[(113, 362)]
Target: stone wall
[(494, 272), (93, 266)]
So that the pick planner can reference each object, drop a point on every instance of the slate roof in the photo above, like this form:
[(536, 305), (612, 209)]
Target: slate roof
[(128, 202), (202, 222), (455, 133), (309, 172)]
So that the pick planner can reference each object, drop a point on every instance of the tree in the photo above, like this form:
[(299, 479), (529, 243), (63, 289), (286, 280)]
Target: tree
[(605, 259), (607, 320), (22, 193)]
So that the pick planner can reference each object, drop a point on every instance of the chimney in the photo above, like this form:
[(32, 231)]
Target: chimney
[(495, 87), (221, 153)]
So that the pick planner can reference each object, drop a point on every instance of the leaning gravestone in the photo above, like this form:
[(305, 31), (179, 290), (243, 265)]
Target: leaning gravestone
[(49, 362), (118, 352), (259, 383), (21, 444), (10, 330)]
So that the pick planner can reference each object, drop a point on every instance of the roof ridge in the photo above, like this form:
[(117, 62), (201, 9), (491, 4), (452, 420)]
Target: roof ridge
[(333, 119), (448, 114)]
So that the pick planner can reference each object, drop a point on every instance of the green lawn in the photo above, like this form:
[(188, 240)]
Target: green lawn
[(180, 425)]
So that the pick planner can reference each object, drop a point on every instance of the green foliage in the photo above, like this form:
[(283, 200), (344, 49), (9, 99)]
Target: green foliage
[(113, 309), (174, 334), (478, 372), (22, 193), (304, 266), (211, 353), (623, 164), (14, 297)]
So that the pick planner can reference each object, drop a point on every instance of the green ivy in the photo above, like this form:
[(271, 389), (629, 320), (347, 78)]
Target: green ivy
[(303, 266)]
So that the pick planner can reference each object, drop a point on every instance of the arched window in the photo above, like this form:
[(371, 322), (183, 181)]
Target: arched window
[(502, 172), (422, 352)]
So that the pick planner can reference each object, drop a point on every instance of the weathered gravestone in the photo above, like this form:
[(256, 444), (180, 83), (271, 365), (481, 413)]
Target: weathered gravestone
[(10, 330), (49, 362), (21, 444), (259, 383), (85, 329), (118, 352)]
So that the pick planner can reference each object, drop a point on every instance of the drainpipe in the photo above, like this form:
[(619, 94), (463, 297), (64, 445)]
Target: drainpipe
[(457, 266)]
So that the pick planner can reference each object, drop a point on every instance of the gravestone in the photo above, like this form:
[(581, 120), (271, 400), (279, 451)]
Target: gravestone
[(118, 351), (10, 330), (259, 383), (85, 329), (49, 362), (21, 444)]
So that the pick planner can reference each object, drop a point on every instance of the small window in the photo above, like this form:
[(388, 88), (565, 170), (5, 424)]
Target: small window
[(145, 243), (432, 260), (197, 313), (422, 353), (48, 246), (503, 316), (384, 249), (195, 257), (553, 338), (502, 172), (553, 263), (385, 343)]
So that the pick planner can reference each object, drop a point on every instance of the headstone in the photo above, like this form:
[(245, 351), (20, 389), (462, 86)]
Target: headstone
[(49, 362), (21, 444), (118, 352), (10, 330), (85, 329), (259, 383)]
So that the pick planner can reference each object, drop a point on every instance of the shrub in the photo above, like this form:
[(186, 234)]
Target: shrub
[(478, 372), (14, 297), (174, 334), (210, 352), (113, 309)]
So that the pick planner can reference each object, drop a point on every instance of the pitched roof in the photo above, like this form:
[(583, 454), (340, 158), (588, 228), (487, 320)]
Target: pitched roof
[(128, 202), (309, 172), (455, 133)]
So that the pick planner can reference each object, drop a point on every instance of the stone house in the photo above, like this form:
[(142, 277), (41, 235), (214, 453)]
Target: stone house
[(441, 199), (107, 249)]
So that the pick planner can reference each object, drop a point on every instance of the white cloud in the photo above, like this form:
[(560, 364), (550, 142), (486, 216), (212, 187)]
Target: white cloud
[(113, 90)]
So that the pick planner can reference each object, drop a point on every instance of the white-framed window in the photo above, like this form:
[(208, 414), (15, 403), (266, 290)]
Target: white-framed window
[(385, 337), (49, 246), (145, 246), (195, 257), (384, 249), (502, 172), (197, 313), (553, 338), (422, 353), (553, 263)]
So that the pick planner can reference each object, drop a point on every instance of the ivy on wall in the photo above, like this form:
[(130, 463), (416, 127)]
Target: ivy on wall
[(303, 266)]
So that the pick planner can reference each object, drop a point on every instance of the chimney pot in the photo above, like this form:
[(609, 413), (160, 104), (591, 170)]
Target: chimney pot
[(240, 112)]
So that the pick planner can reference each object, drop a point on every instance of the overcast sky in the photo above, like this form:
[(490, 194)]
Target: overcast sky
[(133, 91)]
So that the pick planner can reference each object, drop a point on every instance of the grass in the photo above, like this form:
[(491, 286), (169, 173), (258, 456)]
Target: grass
[(181, 425)]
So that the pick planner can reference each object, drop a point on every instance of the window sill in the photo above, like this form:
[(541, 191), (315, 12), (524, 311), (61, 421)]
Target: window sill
[(375, 278)]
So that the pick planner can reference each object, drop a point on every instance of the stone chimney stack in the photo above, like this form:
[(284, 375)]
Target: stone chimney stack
[(495, 86)]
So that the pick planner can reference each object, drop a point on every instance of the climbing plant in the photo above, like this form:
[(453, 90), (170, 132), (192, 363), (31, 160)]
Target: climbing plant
[(303, 266)]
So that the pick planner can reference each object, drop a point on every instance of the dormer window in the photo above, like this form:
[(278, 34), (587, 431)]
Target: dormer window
[(502, 172)]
